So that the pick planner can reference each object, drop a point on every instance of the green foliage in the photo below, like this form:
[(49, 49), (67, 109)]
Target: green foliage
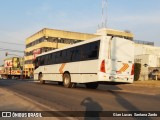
[(137, 71)]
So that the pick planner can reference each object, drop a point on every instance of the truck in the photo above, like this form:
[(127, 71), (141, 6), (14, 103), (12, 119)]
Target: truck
[(12, 69)]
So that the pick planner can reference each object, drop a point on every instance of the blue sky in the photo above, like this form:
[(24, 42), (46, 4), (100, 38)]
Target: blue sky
[(21, 18)]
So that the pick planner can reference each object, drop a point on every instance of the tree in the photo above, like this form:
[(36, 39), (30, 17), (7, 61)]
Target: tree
[(137, 71)]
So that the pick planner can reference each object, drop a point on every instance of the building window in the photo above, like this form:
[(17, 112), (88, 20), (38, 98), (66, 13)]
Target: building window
[(53, 40)]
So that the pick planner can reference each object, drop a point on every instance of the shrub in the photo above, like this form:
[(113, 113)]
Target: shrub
[(137, 71)]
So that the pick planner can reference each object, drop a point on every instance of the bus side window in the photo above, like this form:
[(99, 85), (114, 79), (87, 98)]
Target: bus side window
[(76, 56), (53, 58), (35, 62), (94, 48), (71, 54), (84, 50), (46, 60), (66, 55), (42, 61), (57, 57), (60, 57)]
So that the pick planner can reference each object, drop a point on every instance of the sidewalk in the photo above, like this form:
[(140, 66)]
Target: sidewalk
[(142, 87), (10, 101), (139, 87)]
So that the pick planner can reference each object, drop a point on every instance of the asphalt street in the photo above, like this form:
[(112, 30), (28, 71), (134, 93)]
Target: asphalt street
[(54, 97)]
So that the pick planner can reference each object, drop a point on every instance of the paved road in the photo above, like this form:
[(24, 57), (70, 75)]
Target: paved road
[(106, 98)]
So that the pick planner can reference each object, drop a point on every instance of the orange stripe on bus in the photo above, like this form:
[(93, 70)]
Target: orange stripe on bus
[(61, 68), (124, 68)]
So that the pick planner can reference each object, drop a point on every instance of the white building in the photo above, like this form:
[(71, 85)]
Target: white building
[(149, 58), (146, 49)]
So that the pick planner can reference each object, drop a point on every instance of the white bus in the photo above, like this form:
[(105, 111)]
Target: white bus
[(99, 60)]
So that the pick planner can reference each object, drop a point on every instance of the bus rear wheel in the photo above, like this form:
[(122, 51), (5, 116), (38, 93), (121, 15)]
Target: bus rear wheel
[(40, 78), (92, 85), (67, 81)]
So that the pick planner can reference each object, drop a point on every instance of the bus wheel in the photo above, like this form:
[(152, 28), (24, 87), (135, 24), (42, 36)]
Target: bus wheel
[(91, 85), (67, 80), (40, 78)]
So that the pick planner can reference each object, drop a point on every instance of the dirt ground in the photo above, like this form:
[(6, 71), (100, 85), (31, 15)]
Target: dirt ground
[(149, 83)]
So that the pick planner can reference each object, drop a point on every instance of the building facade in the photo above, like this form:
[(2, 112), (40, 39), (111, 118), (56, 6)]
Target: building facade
[(148, 56)]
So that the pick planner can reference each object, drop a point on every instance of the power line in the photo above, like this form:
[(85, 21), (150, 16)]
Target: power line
[(11, 43), (11, 50)]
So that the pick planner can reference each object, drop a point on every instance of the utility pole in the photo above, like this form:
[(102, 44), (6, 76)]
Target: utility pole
[(104, 14)]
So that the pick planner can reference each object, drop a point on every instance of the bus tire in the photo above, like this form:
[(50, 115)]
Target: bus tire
[(92, 85), (67, 80), (40, 78)]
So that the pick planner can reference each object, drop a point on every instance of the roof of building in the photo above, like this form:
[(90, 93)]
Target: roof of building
[(113, 32), (60, 34), (77, 35)]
